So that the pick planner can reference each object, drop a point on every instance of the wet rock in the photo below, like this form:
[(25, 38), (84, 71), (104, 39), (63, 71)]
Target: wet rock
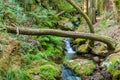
[(96, 59), (80, 66), (96, 76), (65, 24), (99, 75), (36, 77)]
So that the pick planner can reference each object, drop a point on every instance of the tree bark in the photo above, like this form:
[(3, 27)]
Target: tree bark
[(89, 22), (61, 33), (87, 6), (83, 14)]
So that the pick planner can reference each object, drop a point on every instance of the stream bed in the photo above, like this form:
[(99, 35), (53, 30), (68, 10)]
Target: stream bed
[(68, 74)]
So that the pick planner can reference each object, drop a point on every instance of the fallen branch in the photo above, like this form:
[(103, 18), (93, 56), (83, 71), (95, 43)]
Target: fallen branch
[(60, 13), (61, 33)]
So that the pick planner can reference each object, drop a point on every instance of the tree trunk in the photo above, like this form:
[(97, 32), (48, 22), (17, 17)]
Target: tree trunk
[(115, 11), (87, 6), (93, 12), (29, 31), (106, 5), (83, 14), (99, 7), (89, 22)]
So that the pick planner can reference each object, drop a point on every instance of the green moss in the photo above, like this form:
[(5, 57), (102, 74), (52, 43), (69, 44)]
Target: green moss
[(100, 49), (44, 69), (116, 73), (80, 41), (80, 66), (114, 58), (83, 48)]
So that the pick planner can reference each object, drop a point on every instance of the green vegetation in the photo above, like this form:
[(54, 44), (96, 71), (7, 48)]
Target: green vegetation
[(14, 75), (27, 57), (80, 66)]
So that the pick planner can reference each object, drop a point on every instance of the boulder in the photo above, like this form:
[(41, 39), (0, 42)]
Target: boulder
[(43, 70), (112, 64), (81, 67)]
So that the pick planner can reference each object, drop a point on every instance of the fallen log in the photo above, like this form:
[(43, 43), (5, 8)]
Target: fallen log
[(61, 33)]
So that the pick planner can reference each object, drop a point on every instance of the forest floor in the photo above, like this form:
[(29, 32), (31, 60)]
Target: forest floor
[(112, 31), (99, 19)]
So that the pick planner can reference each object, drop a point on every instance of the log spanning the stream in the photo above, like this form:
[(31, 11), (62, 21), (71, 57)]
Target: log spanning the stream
[(61, 33)]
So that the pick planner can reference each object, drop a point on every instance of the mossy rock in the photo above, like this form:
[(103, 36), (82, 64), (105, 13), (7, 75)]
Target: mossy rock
[(100, 49), (83, 48), (65, 24), (44, 70), (113, 58), (79, 41), (81, 67), (112, 64)]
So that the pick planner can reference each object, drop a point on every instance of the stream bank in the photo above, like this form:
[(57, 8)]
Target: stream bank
[(92, 66)]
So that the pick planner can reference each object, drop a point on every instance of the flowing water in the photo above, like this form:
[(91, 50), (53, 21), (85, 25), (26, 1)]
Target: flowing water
[(69, 52), (67, 74)]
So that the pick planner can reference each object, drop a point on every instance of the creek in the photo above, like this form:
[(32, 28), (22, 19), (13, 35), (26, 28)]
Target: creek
[(68, 74)]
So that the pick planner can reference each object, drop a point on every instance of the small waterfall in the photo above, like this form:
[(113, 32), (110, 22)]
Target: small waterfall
[(69, 52), (67, 74)]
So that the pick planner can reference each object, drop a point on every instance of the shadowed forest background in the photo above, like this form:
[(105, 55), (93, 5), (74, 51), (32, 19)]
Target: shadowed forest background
[(35, 35)]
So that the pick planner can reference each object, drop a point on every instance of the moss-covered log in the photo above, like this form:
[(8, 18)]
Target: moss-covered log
[(61, 33)]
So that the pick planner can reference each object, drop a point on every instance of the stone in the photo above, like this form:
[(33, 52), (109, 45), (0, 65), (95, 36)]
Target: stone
[(80, 66), (112, 64)]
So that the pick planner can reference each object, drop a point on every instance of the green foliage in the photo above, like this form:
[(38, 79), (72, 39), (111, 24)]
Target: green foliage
[(32, 57), (117, 3), (11, 12), (113, 66), (49, 72), (114, 69), (104, 24), (66, 5), (16, 74), (51, 48), (44, 17), (51, 44)]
